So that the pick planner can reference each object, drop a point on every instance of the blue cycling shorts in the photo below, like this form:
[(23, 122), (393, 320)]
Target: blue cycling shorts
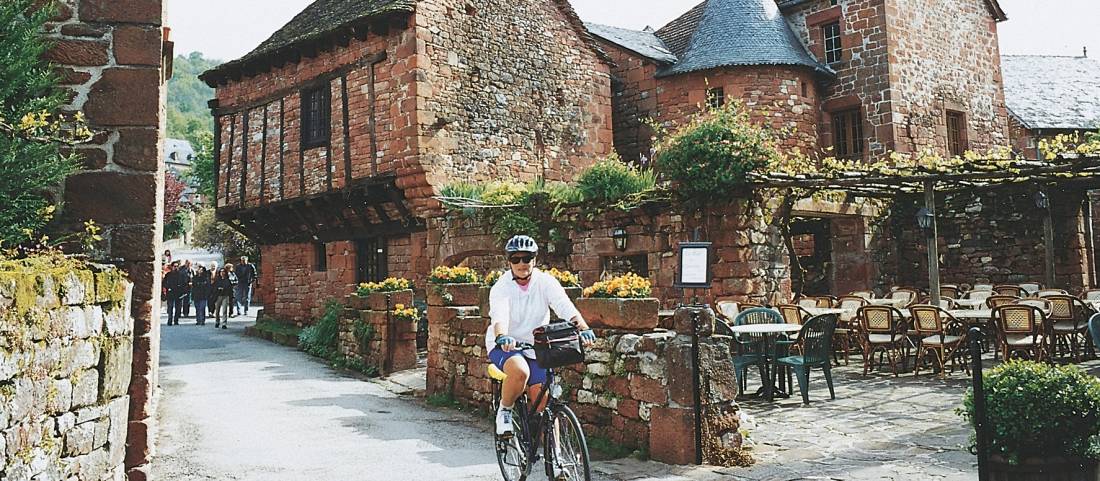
[(499, 357)]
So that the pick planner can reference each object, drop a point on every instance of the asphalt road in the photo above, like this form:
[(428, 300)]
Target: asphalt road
[(237, 408)]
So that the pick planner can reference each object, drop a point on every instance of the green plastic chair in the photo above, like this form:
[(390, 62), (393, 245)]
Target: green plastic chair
[(816, 338), (750, 348), (1094, 327)]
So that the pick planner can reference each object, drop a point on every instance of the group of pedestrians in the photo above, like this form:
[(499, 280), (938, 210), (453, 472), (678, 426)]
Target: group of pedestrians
[(221, 292)]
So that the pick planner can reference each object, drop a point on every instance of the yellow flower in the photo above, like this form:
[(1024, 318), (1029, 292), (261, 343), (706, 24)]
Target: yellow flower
[(566, 278), (629, 285), (452, 275)]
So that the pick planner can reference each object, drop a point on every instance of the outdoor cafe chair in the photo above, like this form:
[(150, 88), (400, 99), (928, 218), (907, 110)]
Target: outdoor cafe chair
[(848, 324), (815, 340), (749, 349), (807, 302), (1009, 290), (946, 303), (979, 295), (882, 330), (792, 314), (726, 309), (940, 334), (1094, 327), (1020, 328), (949, 292), (1091, 295), (1051, 292), (1030, 288), (1068, 325), (1042, 304), (910, 295), (862, 294), (1000, 300), (982, 287)]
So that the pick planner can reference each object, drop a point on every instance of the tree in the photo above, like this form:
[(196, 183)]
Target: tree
[(173, 190), (188, 114), (32, 128), (214, 235), (202, 167)]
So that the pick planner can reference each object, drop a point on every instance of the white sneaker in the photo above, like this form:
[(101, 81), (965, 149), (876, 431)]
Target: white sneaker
[(504, 422)]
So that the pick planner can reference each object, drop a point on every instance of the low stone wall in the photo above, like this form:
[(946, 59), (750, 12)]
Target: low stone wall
[(632, 385), (66, 348), (370, 333)]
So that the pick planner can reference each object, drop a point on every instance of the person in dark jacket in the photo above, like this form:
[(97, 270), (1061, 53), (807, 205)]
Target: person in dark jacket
[(246, 278), (201, 291), (186, 273), (223, 294), (174, 286)]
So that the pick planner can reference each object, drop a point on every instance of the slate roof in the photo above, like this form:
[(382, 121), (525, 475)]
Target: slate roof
[(1049, 92), (734, 32), (644, 43)]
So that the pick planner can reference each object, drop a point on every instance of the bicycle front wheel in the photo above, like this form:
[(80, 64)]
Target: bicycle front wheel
[(512, 450), (567, 450)]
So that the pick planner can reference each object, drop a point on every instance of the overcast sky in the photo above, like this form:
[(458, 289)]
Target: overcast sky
[(227, 29)]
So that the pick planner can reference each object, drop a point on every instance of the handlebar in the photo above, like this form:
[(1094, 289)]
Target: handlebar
[(522, 346)]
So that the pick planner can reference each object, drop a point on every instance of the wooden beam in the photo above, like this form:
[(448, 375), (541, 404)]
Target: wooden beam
[(1048, 241), (217, 156), (347, 129), (933, 243), (244, 156), (229, 160), (282, 149), (372, 121), (263, 160)]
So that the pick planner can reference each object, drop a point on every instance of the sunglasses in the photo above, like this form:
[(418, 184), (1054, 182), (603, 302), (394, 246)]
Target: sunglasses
[(519, 259)]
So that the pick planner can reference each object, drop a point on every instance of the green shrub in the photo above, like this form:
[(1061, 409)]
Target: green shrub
[(1038, 410), (713, 154), (320, 339), (611, 180), (30, 101), (463, 190)]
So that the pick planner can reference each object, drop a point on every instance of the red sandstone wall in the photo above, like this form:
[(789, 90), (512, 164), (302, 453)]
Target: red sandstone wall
[(633, 101), (291, 172), (110, 56)]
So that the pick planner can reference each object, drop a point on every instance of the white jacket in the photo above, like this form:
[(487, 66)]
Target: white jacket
[(525, 311)]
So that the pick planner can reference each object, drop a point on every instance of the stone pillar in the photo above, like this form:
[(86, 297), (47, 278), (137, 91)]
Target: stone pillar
[(391, 342), (456, 340), (112, 56)]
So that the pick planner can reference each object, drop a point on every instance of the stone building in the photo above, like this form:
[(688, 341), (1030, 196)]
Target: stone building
[(333, 135), (1050, 95), (859, 77)]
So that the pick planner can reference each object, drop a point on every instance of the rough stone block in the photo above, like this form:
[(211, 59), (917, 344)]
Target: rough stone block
[(129, 11), (80, 439), (76, 287), (115, 364), (137, 45), (81, 53), (60, 396), (140, 438), (125, 97), (85, 390), (453, 294), (116, 436), (682, 320), (64, 423), (130, 199), (137, 149), (622, 314), (377, 301), (90, 413), (674, 442), (117, 320)]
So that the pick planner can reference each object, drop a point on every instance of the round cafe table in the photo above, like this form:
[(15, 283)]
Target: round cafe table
[(767, 331), (970, 303)]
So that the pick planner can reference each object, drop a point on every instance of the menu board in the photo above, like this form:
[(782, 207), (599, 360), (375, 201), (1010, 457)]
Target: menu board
[(694, 265)]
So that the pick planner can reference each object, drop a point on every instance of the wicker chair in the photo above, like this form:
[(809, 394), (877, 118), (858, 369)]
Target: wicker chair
[(1009, 290), (999, 300), (882, 330), (815, 339), (1068, 325), (863, 294), (1031, 288), (941, 334), (1051, 292), (1037, 302), (1091, 295), (910, 295), (847, 325), (726, 309), (946, 303), (1020, 328), (949, 291), (979, 295), (982, 287)]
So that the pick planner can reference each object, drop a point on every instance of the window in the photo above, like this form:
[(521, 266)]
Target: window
[(315, 117), (716, 97), (956, 133), (848, 134), (832, 42), (371, 256), (320, 257)]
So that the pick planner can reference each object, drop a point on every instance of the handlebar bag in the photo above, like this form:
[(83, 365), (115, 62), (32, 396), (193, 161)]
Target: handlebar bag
[(558, 344)]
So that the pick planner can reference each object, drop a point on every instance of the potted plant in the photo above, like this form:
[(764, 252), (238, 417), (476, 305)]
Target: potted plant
[(491, 278), (406, 319), (568, 280), (373, 295), (1044, 422), (619, 303), (453, 286)]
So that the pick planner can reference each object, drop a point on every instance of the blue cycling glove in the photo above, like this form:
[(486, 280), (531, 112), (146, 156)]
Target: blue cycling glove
[(588, 336), (505, 339)]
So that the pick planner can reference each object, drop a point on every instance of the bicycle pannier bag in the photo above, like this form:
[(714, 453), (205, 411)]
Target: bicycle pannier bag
[(558, 344)]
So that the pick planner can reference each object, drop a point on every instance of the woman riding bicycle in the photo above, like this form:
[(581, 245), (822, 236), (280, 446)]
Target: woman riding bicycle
[(519, 302)]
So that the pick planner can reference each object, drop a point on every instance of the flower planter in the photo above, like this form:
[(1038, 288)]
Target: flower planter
[(483, 300), (620, 314), (1044, 469), (453, 294), (574, 293), (376, 301), (355, 302)]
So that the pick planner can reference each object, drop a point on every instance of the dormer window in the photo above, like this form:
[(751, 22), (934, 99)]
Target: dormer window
[(833, 48)]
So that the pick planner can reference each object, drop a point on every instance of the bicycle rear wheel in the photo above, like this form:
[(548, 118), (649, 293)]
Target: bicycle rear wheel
[(567, 450), (512, 451)]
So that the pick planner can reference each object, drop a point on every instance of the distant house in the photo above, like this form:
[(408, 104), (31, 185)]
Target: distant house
[(1050, 95), (178, 156)]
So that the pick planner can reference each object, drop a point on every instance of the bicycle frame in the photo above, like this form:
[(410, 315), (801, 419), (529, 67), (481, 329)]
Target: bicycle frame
[(539, 419)]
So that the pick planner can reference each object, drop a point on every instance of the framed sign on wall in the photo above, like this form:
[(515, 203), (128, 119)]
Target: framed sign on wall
[(695, 261)]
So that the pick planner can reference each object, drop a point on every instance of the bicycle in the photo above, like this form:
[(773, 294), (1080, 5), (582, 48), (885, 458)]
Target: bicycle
[(562, 437)]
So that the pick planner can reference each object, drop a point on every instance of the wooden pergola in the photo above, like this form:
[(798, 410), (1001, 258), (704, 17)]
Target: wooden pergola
[(954, 176)]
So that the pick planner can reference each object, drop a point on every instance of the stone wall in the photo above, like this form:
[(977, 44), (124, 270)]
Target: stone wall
[(110, 56), (781, 98), (66, 356), (511, 90), (634, 389), (371, 334), (992, 238)]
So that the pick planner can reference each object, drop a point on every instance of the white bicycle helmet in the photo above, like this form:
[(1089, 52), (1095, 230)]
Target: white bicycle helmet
[(521, 243)]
